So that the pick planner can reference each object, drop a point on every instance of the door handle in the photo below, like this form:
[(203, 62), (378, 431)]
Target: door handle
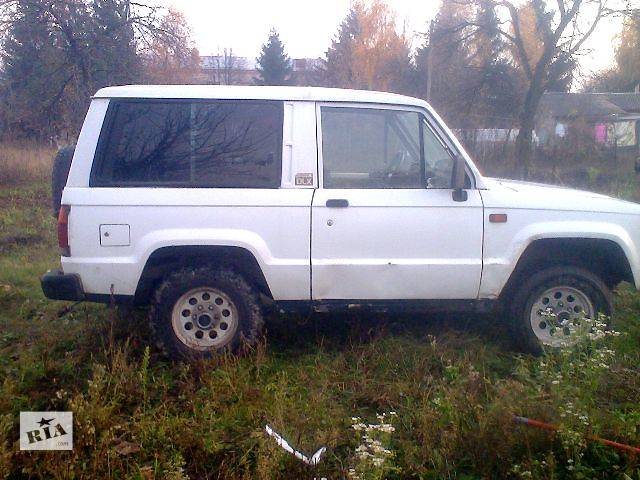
[(337, 203)]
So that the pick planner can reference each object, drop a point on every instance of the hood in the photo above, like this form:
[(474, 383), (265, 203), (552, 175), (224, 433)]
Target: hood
[(519, 194), (538, 188)]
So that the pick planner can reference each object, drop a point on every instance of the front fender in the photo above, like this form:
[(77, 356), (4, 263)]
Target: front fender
[(502, 251)]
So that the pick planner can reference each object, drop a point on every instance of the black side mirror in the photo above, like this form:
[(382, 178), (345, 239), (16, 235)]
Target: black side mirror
[(459, 193)]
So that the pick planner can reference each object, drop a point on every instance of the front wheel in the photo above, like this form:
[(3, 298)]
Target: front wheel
[(199, 312), (549, 309)]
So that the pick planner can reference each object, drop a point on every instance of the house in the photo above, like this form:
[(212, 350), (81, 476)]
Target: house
[(610, 120)]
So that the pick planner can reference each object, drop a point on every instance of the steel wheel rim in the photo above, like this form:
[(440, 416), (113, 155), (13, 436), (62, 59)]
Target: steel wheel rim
[(557, 315), (204, 319)]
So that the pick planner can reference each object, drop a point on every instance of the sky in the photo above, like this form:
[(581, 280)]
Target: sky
[(307, 26)]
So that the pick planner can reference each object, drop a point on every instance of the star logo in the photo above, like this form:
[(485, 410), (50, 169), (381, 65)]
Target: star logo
[(44, 422), (46, 430)]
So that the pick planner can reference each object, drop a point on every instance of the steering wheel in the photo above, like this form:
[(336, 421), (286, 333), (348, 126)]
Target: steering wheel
[(397, 164)]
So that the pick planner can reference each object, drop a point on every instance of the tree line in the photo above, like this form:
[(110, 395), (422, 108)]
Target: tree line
[(483, 63), (57, 53), (479, 62)]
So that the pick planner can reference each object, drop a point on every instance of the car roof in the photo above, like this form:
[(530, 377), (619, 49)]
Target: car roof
[(315, 94)]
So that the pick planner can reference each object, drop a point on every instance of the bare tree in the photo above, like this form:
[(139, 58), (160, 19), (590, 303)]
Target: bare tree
[(171, 57), (230, 66), (225, 67), (562, 28)]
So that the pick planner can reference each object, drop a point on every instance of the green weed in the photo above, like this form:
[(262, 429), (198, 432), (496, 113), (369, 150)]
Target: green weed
[(452, 382)]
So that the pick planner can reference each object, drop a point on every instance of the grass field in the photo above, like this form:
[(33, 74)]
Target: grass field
[(448, 387)]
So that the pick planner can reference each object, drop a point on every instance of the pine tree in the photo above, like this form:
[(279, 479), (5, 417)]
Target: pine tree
[(628, 54), (274, 65), (338, 66), (114, 47), (368, 53)]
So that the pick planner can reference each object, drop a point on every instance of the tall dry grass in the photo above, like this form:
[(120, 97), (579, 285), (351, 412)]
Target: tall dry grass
[(22, 163)]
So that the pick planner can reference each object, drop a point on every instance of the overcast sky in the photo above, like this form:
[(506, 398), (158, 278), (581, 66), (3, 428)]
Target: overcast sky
[(307, 26)]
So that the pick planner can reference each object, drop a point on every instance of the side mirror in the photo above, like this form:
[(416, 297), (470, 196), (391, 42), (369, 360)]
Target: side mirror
[(459, 193)]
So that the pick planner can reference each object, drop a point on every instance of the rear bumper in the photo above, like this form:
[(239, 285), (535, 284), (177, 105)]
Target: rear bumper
[(59, 286)]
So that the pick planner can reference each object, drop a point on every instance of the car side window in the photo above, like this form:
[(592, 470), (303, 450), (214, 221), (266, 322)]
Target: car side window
[(438, 161), (371, 148), (232, 144)]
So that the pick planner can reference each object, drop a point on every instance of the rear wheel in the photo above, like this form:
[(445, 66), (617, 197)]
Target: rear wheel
[(201, 312), (549, 309)]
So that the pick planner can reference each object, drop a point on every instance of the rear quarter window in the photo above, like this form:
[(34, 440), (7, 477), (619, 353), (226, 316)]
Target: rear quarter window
[(224, 144)]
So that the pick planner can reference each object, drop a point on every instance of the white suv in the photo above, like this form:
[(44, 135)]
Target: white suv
[(209, 202)]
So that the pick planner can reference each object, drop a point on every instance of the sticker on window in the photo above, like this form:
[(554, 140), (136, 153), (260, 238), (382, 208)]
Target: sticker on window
[(304, 179)]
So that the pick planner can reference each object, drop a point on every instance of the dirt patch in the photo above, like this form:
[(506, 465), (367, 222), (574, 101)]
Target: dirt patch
[(14, 241)]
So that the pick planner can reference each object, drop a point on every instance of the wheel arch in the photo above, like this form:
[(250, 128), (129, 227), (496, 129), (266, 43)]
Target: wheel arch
[(603, 257), (168, 259)]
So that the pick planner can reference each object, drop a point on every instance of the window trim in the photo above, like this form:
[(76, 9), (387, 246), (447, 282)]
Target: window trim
[(431, 122), (107, 125)]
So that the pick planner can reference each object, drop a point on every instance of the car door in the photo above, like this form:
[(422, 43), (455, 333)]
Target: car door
[(384, 222)]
